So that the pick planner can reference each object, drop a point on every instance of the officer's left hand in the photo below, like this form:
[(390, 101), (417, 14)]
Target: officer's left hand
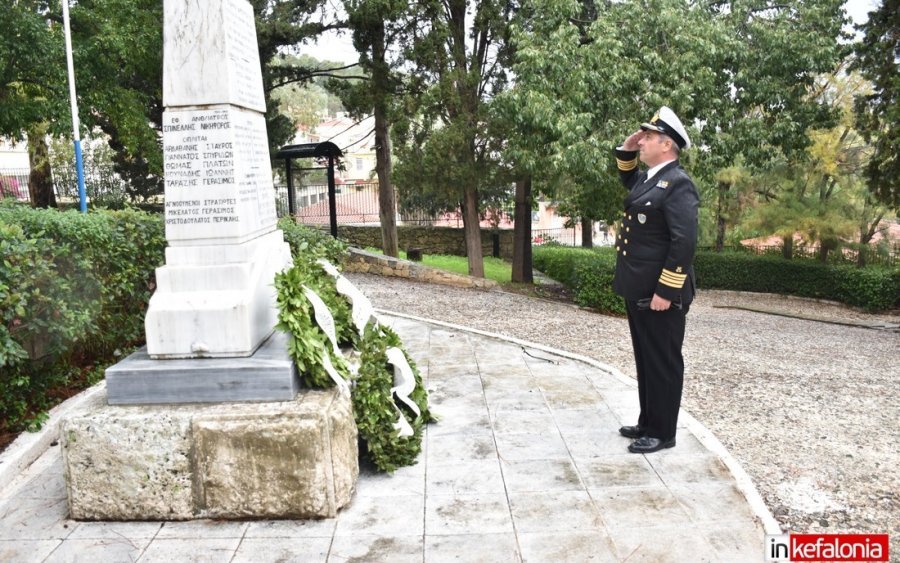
[(659, 303)]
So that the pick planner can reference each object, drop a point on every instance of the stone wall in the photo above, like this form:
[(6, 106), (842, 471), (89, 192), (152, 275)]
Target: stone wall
[(432, 240), (366, 262)]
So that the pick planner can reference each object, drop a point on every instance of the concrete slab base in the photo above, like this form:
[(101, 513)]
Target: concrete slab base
[(290, 459), (268, 375)]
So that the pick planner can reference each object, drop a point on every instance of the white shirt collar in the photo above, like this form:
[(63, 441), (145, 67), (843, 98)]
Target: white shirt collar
[(652, 171)]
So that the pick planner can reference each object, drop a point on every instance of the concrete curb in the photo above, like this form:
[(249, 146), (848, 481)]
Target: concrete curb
[(388, 266), (29, 446), (704, 435)]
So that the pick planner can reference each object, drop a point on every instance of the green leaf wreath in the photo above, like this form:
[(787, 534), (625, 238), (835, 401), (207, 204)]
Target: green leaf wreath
[(374, 406)]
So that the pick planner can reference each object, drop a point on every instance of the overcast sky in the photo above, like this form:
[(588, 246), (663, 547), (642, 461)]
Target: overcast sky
[(339, 47)]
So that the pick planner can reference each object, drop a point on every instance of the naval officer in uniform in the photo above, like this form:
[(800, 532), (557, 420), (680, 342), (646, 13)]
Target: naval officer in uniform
[(655, 248)]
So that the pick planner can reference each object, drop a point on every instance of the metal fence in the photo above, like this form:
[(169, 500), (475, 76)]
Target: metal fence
[(100, 185), (563, 236), (356, 204), (14, 183)]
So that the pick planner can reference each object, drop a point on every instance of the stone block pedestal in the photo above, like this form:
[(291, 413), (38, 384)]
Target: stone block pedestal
[(290, 459)]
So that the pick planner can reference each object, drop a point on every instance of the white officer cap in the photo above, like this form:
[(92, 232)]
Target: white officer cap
[(665, 121)]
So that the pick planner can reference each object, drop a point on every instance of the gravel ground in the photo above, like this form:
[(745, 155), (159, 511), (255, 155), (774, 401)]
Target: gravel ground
[(810, 409)]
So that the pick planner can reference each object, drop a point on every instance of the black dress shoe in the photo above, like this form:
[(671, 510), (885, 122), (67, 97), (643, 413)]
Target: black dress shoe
[(633, 432), (647, 445)]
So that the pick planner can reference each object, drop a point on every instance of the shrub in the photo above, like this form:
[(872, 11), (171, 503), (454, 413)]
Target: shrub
[(38, 279), (37, 321), (121, 250), (872, 288), (311, 244), (73, 289), (588, 272)]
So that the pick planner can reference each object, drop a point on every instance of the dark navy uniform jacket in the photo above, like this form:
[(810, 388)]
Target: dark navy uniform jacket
[(656, 243)]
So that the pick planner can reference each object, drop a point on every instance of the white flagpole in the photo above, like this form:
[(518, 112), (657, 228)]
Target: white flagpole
[(73, 100)]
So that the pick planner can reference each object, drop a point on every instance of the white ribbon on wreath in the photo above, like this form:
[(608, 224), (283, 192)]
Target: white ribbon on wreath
[(325, 320), (362, 312), (404, 385)]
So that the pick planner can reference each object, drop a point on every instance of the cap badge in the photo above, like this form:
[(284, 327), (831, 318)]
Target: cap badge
[(663, 184), (655, 117), (642, 218)]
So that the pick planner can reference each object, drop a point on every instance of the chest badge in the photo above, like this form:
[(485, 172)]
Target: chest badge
[(662, 184), (642, 218)]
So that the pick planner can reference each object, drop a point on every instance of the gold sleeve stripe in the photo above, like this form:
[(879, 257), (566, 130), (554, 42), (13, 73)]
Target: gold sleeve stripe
[(675, 285), (673, 275), (626, 165), (672, 280)]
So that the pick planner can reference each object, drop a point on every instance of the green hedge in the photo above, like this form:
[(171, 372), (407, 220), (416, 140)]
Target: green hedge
[(872, 288), (374, 406), (73, 291), (588, 272), (310, 243)]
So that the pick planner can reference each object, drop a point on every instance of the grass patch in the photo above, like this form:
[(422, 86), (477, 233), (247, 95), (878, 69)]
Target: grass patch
[(494, 268)]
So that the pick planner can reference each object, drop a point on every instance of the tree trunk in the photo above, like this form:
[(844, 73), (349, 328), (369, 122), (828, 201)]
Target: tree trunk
[(720, 233), (720, 216), (826, 246), (472, 229), (587, 233), (866, 234), (861, 256), (787, 247), (40, 181), (386, 204), (522, 264)]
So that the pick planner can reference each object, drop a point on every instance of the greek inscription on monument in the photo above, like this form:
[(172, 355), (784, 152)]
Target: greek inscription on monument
[(218, 175), (199, 162)]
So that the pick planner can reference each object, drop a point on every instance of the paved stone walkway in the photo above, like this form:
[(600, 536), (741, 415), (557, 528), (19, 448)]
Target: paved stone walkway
[(525, 465)]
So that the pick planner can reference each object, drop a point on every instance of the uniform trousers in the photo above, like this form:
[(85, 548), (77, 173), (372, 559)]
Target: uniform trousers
[(656, 337)]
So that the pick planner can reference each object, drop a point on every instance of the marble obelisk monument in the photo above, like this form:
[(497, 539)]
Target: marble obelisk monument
[(207, 421), (214, 296)]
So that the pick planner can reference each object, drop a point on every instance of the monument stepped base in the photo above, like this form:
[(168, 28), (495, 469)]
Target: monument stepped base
[(268, 375), (290, 459)]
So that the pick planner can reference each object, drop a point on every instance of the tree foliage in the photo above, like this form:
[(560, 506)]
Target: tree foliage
[(377, 28), (820, 193), (117, 47), (32, 67), (878, 113), (284, 24), (305, 103), (459, 62), (737, 73)]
